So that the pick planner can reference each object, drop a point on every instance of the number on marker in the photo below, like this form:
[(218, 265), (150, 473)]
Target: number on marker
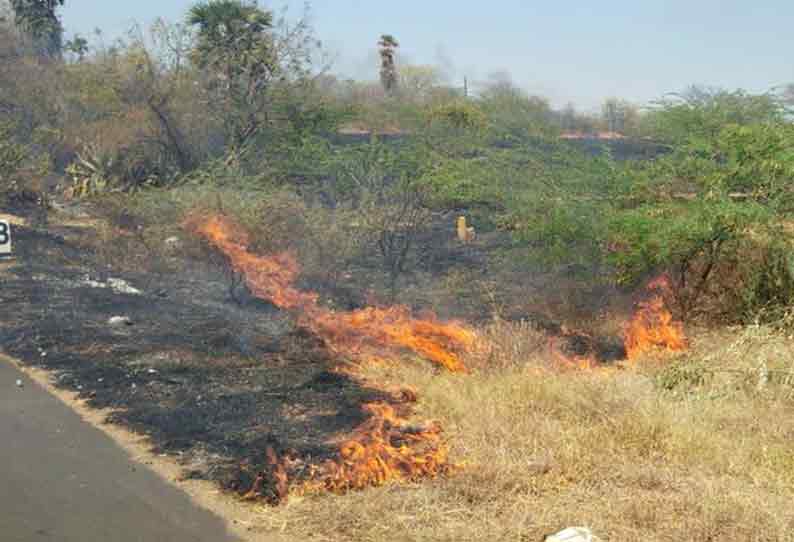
[(5, 237)]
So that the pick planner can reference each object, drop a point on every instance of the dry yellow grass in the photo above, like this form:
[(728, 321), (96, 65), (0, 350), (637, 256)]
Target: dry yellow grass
[(690, 448)]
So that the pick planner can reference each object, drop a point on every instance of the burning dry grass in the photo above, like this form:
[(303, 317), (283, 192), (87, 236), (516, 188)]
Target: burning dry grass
[(355, 333), (652, 325), (637, 454), (382, 449), (386, 446), (696, 450)]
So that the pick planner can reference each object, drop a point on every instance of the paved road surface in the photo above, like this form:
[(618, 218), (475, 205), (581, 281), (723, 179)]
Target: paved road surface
[(63, 480)]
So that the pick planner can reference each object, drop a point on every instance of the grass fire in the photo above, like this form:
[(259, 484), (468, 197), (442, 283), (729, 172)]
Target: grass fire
[(385, 447), (348, 333), (385, 300), (652, 325)]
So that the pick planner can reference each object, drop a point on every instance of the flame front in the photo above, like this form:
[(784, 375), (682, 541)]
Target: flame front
[(382, 449), (385, 447), (354, 333), (653, 326)]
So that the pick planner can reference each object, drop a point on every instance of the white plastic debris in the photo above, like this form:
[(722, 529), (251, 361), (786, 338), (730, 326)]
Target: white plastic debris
[(120, 321), (573, 534), (173, 243), (120, 286), (19, 383)]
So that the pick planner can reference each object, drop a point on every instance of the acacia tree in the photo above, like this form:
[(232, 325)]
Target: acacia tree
[(515, 115), (156, 82), (39, 20), (712, 213), (701, 113), (386, 194)]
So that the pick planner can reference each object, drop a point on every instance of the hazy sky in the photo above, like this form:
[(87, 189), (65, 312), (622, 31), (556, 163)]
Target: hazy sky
[(579, 50)]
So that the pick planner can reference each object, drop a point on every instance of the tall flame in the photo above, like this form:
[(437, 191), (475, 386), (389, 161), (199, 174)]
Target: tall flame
[(653, 326), (385, 447), (351, 333)]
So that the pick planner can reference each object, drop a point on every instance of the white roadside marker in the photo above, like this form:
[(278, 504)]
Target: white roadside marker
[(5, 238)]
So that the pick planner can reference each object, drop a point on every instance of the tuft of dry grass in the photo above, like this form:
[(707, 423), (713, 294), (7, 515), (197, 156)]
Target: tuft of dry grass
[(690, 448), (508, 345)]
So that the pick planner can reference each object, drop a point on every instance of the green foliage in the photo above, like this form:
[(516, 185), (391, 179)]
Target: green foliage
[(236, 102), (664, 235), (459, 116), (699, 114), (39, 20), (12, 156), (236, 52), (756, 161), (561, 203), (256, 73), (380, 188), (705, 212), (514, 116), (768, 296), (228, 29)]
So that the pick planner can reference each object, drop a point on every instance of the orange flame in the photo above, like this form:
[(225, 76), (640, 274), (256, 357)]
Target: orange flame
[(384, 447), (653, 326), (352, 332), (271, 277), (567, 361)]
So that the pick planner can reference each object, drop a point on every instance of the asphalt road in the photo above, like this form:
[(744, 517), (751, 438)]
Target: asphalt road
[(63, 480)]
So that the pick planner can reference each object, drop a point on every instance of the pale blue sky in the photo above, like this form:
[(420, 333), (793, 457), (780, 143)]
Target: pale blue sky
[(575, 50)]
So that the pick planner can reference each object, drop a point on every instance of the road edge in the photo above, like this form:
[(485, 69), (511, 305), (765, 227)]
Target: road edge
[(241, 518)]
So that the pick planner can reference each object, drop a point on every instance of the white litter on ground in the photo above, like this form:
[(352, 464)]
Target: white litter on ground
[(573, 534), (120, 321), (120, 286)]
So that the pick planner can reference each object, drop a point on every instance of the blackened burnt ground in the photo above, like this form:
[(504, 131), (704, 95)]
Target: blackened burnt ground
[(209, 380)]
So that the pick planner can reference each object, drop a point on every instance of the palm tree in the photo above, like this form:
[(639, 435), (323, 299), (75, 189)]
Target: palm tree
[(226, 26), (235, 47), (388, 70)]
